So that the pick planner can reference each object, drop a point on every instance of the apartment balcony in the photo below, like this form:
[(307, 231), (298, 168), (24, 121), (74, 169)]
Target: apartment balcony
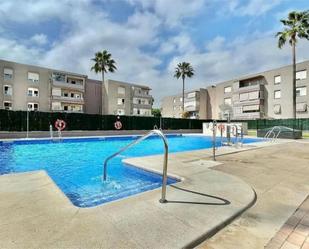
[(66, 85), (258, 87), (64, 99), (142, 106), (191, 105), (141, 94), (248, 116), (248, 102)]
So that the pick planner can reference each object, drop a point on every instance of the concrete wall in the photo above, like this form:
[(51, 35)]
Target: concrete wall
[(93, 97)]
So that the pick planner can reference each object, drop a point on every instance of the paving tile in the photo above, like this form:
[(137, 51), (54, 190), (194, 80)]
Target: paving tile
[(305, 245), (296, 239), (302, 230), (288, 245)]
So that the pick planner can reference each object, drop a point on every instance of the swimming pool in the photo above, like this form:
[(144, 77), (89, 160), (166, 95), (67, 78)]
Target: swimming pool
[(76, 164)]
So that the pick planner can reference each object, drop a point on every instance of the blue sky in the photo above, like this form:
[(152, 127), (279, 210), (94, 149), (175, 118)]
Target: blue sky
[(222, 39)]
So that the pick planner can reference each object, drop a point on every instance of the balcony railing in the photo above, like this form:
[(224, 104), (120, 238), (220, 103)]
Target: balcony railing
[(68, 99), (68, 85), (258, 87)]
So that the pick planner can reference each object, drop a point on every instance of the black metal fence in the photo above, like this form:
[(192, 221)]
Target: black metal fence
[(40, 121)]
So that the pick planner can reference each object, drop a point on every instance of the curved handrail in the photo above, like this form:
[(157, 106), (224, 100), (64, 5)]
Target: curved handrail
[(152, 132)]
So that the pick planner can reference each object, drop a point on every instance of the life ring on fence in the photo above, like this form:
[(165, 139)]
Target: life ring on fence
[(118, 125), (60, 124), (221, 127)]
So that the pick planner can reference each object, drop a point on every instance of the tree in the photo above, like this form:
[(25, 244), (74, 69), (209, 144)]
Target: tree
[(103, 63), (156, 112), (183, 70), (296, 26)]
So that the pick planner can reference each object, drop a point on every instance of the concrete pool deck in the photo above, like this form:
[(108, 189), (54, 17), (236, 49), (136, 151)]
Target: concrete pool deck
[(34, 213)]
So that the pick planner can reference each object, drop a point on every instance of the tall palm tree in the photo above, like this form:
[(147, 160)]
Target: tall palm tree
[(183, 70), (296, 26), (103, 63)]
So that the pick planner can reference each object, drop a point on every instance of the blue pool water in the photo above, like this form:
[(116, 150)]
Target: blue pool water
[(76, 164)]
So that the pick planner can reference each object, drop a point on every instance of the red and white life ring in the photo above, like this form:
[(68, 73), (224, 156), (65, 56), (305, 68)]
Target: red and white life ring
[(118, 125), (221, 127), (60, 124)]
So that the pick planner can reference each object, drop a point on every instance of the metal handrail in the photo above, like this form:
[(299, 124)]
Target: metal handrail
[(152, 132)]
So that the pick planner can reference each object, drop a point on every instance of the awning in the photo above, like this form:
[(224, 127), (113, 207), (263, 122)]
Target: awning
[(243, 96), (251, 108), (301, 107), (254, 95), (277, 109)]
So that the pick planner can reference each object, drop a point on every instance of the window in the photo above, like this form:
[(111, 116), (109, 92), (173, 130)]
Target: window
[(120, 112), (277, 94), (301, 91), (301, 107), (120, 101), (228, 101), (174, 100), (227, 89), (277, 79), (33, 106), (301, 75), (174, 108), (7, 90), (33, 77), (33, 92), (243, 96), (277, 109), (7, 105), (121, 90), (180, 99), (8, 73)]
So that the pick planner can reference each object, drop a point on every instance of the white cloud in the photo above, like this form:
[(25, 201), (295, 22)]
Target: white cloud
[(39, 39), (171, 11), (181, 43)]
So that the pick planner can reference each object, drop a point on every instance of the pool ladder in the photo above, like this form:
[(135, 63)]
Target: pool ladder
[(272, 132), (150, 133)]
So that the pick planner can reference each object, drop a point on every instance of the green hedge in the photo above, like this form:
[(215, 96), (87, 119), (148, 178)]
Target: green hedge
[(298, 124), (40, 121)]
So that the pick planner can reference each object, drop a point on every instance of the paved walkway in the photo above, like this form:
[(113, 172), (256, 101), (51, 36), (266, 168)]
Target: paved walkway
[(280, 177), (294, 234)]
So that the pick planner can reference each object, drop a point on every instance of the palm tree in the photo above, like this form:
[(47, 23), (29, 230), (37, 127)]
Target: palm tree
[(296, 26), (183, 70), (103, 63)]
